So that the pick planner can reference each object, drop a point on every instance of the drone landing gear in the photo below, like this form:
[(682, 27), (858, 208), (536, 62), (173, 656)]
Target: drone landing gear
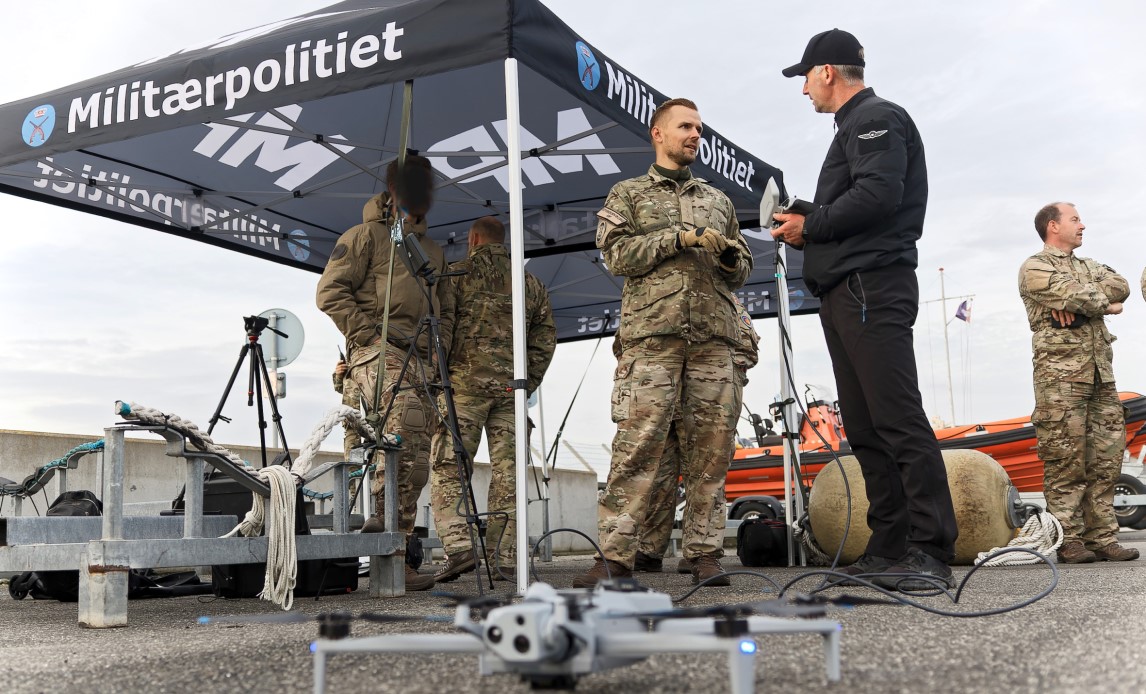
[(565, 682), (552, 638)]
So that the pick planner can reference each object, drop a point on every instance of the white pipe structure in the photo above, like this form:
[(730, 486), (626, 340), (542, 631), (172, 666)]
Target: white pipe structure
[(793, 500), (517, 265)]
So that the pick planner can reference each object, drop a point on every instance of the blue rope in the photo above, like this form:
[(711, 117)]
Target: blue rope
[(323, 496), (29, 487)]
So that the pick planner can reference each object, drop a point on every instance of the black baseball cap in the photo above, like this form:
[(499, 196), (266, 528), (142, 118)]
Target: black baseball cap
[(835, 47)]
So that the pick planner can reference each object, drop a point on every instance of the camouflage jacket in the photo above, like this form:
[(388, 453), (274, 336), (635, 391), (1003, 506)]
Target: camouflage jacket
[(481, 356), (352, 289), (671, 291), (1144, 283), (1054, 279), (747, 351)]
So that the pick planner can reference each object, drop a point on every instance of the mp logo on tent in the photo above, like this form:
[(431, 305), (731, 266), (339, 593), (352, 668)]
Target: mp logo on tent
[(38, 125), (298, 245), (588, 69)]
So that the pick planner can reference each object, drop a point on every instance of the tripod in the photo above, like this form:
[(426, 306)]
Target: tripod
[(430, 326), (257, 378)]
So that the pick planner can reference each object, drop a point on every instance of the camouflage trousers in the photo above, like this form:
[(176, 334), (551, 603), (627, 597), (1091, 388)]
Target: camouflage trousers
[(656, 380), (411, 418), (496, 416), (350, 398), (656, 530), (1082, 435)]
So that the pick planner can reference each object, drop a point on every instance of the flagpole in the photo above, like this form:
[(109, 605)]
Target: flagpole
[(947, 348)]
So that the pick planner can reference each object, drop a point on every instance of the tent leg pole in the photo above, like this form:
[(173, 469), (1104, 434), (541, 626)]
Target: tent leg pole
[(517, 263), (793, 502)]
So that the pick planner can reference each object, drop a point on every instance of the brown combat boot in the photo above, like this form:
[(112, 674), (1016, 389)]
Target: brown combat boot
[(603, 569), (684, 566), (504, 572), (1074, 553), (456, 565), (416, 582), (648, 563), (374, 524), (1115, 552), (706, 567)]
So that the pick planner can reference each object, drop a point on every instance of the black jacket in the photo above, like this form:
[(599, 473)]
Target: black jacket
[(872, 191)]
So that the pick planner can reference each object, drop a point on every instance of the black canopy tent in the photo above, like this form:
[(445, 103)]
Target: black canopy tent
[(269, 141)]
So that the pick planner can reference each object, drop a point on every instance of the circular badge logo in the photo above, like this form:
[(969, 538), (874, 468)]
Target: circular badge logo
[(299, 245), (796, 299), (588, 69), (38, 125)]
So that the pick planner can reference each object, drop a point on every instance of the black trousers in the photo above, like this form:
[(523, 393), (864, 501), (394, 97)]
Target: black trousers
[(867, 321)]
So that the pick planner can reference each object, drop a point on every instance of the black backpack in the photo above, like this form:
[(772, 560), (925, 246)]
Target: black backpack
[(762, 542), (65, 585)]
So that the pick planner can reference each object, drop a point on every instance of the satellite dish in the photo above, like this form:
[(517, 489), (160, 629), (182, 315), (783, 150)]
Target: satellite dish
[(278, 351)]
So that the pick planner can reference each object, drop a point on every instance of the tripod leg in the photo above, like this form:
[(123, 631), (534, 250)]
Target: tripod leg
[(476, 524), (227, 391), (276, 418), (257, 393), (218, 414)]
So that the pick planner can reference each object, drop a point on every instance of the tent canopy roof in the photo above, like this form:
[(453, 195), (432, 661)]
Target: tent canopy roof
[(269, 141)]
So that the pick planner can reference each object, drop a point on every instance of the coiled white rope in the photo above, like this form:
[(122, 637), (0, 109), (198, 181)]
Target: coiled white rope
[(199, 439), (282, 556), (1042, 533)]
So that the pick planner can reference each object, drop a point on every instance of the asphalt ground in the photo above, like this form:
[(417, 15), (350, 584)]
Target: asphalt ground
[(1088, 635)]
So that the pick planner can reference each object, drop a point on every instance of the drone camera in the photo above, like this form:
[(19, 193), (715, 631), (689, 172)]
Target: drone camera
[(334, 626)]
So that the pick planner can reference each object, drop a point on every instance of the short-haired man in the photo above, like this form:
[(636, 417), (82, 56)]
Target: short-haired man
[(1078, 416), (352, 292), (481, 371), (859, 259), (676, 241)]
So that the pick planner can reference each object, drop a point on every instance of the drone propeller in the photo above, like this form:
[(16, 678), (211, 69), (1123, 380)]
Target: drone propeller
[(482, 603), (321, 618), (803, 606)]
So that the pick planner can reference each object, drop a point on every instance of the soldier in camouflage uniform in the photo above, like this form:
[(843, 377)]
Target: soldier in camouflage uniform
[(656, 531), (676, 241), (1077, 416), (481, 370), (352, 291)]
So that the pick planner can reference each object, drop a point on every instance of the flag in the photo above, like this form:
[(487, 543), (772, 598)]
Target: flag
[(963, 313)]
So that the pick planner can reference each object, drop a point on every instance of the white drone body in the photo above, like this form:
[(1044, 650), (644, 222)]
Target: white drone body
[(552, 637)]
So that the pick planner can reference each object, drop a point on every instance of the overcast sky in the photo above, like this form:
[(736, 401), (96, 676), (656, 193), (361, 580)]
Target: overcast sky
[(1018, 103)]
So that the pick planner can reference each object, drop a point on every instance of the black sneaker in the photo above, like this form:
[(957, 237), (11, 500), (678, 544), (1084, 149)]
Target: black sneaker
[(916, 563), (864, 567)]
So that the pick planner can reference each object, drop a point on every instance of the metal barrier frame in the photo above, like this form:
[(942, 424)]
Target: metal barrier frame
[(104, 563)]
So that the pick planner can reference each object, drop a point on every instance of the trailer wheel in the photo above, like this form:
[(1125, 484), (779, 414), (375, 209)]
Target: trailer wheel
[(1130, 516), (750, 510)]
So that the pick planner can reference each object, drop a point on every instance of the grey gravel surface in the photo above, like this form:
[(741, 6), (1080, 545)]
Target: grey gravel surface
[(1087, 636)]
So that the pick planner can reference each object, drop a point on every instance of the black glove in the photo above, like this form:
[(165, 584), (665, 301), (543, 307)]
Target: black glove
[(729, 259)]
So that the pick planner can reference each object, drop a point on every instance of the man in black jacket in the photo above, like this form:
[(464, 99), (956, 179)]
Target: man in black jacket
[(860, 259)]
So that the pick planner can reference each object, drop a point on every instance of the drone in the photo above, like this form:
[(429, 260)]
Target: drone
[(553, 637)]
